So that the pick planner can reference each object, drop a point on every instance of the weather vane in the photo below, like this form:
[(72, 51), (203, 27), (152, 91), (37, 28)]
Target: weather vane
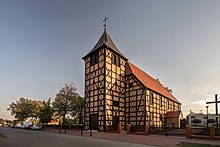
[(105, 22)]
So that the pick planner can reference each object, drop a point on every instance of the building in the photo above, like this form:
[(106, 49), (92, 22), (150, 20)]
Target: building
[(118, 92), (203, 118)]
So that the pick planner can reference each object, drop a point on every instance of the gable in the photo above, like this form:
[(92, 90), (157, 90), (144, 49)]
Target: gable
[(148, 81)]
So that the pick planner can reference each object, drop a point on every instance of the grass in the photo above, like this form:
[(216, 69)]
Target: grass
[(188, 144), (2, 136)]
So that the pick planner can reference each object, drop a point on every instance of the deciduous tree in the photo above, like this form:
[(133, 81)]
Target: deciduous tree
[(46, 112), (63, 103)]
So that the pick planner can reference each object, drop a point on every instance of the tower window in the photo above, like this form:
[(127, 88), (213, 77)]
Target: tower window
[(113, 58), (94, 59), (118, 61)]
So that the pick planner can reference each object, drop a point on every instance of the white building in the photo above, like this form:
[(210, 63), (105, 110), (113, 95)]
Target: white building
[(203, 117)]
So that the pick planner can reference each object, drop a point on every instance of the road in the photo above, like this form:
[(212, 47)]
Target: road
[(29, 138)]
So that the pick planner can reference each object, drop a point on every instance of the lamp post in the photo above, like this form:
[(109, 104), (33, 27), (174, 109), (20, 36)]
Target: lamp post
[(207, 116)]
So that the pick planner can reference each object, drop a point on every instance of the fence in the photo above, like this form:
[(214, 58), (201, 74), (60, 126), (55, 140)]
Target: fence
[(171, 131), (202, 133), (217, 133)]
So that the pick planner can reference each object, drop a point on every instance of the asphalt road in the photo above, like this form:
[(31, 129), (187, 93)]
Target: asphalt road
[(29, 138)]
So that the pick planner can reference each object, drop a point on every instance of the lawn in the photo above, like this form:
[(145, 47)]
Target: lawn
[(187, 144), (2, 136)]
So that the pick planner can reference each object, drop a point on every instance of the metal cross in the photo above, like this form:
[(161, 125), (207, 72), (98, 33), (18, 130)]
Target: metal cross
[(216, 107), (105, 22)]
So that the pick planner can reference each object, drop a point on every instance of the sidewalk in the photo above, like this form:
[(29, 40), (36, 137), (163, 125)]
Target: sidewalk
[(156, 140)]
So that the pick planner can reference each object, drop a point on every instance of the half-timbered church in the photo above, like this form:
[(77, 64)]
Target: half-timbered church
[(118, 92)]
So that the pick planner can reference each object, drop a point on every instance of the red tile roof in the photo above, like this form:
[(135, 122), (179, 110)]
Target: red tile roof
[(174, 114), (148, 81)]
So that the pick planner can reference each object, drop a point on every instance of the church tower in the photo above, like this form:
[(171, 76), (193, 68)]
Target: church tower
[(104, 85)]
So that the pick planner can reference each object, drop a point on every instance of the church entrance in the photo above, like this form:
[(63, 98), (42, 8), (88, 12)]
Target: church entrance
[(93, 123), (115, 122)]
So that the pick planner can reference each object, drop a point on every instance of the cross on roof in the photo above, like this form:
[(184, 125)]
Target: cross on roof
[(105, 22), (216, 107)]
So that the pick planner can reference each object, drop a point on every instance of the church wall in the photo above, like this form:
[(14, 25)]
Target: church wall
[(135, 102), (144, 106), (94, 90), (114, 89), (158, 107)]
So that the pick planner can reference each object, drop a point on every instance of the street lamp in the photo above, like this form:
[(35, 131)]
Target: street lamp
[(207, 116)]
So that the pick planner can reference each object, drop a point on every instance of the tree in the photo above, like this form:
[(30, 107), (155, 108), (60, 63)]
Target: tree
[(63, 103), (78, 109), (45, 112), (21, 109), (24, 108)]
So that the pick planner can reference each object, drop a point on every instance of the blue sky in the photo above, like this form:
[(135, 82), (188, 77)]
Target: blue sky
[(42, 43)]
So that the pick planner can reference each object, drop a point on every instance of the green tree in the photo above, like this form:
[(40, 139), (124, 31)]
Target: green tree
[(24, 108), (21, 109), (78, 110), (45, 112), (63, 103), (36, 107)]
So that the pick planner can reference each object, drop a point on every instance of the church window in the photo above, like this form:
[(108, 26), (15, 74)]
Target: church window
[(160, 101), (94, 59), (131, 86), (168, 107), (113, 58), (151, 116), (118, 61), (151, 98)]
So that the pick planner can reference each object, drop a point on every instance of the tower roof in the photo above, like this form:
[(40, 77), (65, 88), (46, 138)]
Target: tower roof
[(149, 81), (105, 40)]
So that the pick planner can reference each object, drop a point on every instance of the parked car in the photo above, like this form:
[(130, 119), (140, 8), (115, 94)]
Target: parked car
[(17, 125), (37, 127), (12, 125), (26, 125)]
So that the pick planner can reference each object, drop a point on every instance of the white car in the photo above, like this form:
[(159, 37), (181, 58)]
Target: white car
[(37, 127), (18, 126)]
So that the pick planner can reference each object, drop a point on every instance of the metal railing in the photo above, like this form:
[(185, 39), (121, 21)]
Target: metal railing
[(168, 131), (200, 131)]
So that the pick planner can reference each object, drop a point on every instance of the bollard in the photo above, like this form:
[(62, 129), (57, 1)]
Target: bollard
[(90, 132), (81, 130)]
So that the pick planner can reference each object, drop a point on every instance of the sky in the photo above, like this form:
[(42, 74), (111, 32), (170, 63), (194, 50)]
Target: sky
[(42, 43)]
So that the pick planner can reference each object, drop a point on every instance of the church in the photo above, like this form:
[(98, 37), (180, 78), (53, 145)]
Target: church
[(118, 92)]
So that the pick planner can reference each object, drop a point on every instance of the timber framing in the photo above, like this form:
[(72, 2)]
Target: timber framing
[(117, 92)]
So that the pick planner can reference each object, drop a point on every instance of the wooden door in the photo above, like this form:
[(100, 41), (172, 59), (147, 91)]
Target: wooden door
[(93, 121), (115, 122)]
